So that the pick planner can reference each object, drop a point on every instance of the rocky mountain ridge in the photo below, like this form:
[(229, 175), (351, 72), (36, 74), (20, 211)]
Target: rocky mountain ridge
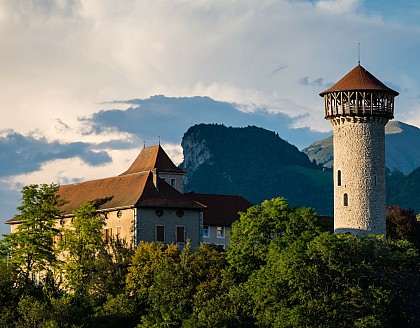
[(402, 151)]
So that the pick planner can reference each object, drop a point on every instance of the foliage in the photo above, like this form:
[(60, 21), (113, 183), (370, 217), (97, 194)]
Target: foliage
[(82, 245), (401, 224), (184, 286), (274, 219), (280, 270), (335, 281), (31, 246)]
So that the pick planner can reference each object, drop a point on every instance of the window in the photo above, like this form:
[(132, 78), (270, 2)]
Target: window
[(118, 233), (220, 232), (107, 235), (173, 183), (160, 233), (221, 246), (339, 178), (180, 234), (374, 180), (345, 200), (206, 232)]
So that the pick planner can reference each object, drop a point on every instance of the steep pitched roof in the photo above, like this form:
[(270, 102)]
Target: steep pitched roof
[(359, 79), (114, 192), (153, 157), (131, 190), (221, 210)]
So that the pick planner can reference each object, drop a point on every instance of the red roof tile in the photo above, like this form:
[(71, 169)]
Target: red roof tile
[(221, 210), (124, 191), (358, 79), (151, 158)]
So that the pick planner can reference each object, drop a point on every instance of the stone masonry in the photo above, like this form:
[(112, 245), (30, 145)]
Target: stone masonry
[(359, 157)]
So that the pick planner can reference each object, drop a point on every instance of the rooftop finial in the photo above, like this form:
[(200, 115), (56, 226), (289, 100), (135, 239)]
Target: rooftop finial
[(159, 140), (144, 144), (358, 54)]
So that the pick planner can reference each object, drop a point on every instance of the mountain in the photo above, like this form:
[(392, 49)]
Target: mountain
[(402, 151), (254, 163), (403, 189)]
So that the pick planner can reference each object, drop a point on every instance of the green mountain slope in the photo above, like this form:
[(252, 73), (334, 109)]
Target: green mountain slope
[(254, 163), (404, 190), (401, 148)]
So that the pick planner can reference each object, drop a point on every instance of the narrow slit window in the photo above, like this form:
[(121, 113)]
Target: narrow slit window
[(339, 178), (180, 234), (345, 200), (160, 233)]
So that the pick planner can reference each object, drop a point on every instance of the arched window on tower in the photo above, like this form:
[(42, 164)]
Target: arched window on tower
[(339, 178), (345, 200)]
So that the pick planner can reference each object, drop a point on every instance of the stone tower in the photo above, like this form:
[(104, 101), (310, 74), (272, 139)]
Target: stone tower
[(358, 107)]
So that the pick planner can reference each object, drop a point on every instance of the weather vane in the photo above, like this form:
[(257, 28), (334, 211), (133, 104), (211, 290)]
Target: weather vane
[(358, 53)]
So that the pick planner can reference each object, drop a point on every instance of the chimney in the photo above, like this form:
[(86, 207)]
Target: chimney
[(156, 178)]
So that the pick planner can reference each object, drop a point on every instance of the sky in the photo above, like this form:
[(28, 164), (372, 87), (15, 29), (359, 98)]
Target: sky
[(85, 84)]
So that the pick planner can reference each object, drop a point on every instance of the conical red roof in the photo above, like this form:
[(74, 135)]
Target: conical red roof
[(358, 79), (150, 158)]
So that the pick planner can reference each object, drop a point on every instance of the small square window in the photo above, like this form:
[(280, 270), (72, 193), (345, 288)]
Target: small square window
[(220, 246), (173, 183), (220, 232), (206, 232)]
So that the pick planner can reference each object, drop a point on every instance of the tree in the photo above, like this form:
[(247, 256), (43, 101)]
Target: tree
[(188, 289), (256, 228), (401, 224), (82, 246), (31, 246), (337, 281)]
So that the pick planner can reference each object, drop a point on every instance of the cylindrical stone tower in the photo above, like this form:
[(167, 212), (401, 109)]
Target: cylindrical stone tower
[(358, 107)]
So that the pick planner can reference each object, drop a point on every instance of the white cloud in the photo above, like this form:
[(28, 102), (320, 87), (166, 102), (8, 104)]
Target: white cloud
[(337, 6), (65, 57)]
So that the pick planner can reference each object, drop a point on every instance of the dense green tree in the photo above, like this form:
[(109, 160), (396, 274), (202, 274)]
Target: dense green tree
[(401, 224), (337, 281), (256, 228), (186, 287), (82, 245), (31, 246)]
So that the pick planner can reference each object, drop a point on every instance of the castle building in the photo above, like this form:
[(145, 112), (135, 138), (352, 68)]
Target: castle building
[(358, 107), (147, 203)]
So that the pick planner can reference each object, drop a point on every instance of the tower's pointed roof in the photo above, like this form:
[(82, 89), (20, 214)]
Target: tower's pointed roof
[(150, 158), (359, 79)]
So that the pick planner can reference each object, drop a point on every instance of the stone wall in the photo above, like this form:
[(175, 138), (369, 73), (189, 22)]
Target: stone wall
[(359, 154), (148, 219)]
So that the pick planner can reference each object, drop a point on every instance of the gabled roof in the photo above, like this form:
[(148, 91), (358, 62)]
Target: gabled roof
[(359, 79), (221, 210), (114, 192), (153, 157)]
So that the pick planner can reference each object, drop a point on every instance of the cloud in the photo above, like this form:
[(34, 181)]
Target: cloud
[(27, 153), (169, 118), (319, 82)]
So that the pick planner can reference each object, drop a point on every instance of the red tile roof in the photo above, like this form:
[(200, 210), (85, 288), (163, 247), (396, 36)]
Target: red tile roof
[(359, 79), (115, 192), (151, 158), (221, 210), (131, 190)]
